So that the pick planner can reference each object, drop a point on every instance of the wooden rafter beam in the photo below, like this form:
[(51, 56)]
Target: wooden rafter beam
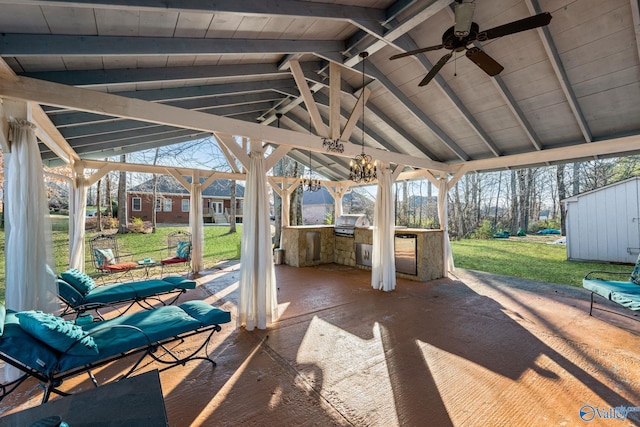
[(59, 95)]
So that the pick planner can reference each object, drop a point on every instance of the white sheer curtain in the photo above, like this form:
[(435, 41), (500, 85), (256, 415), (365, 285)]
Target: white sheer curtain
[(196, 223), (77, 219), (443, 218), (30, 269), (258, 304), (383, 271)]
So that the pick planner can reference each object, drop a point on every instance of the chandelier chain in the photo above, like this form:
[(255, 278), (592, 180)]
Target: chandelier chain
[(361, 167)]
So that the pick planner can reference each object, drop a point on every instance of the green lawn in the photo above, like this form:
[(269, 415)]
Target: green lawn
[(219, 245), (519, 257), (526, 259)]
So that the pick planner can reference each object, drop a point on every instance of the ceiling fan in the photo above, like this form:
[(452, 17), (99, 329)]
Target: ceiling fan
[(464, 32)]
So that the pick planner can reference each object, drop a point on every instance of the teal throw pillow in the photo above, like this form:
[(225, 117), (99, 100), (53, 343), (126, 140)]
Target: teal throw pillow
[(635, 274), (183, 249), (206, 314), (79, 280), (104, 257), (57, 333)]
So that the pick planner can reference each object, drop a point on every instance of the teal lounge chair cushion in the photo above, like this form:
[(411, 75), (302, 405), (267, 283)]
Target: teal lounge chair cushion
[(114, 336), (79, 280), (605, 288), (58, 333), (25, 348), (115, 292), (206, 314), (69, 293), (180, 282), (631, 301)]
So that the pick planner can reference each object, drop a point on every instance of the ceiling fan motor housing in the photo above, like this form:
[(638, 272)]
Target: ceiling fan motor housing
[(452, 42)]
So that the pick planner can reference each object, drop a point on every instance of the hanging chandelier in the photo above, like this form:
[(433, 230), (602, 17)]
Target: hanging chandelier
[(361, 167), (310, 184)]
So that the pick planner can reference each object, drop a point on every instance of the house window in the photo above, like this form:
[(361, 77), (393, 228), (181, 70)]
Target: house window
[(136, 204), (158, 205), (185, 205), (167, 205)]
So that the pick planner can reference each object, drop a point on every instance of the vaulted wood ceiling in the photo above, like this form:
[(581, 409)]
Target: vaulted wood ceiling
[(568, 90)]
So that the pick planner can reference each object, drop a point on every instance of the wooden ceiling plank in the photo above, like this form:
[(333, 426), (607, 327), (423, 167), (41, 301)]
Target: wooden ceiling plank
[(561, 74)]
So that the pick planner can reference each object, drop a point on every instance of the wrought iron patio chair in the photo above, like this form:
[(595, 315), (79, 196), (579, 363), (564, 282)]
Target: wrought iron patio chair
[(107, 259), (178, 252)]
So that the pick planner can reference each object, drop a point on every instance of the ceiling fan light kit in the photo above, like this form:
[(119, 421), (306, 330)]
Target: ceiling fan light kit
[(464, 32)]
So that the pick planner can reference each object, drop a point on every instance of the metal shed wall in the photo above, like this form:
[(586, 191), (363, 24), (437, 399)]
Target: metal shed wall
[(604, 224)]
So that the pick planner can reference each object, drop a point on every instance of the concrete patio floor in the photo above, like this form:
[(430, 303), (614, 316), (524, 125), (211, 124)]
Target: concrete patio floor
[(472, 350)]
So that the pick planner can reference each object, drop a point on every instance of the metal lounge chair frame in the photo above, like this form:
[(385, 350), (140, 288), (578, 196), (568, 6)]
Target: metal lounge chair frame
[(156, 349), (624, 293), (122, 296)]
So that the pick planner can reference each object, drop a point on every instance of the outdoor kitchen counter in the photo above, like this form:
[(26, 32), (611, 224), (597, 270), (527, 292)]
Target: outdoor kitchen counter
[(306, 245), (317, 244)]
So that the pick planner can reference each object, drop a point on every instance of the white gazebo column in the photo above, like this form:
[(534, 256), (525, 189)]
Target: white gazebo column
[(196, 223), (286, 203), (337, 202), (443, 218), (77, 216)]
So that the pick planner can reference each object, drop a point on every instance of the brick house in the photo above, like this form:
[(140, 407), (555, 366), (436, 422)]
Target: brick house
[(172, 201)]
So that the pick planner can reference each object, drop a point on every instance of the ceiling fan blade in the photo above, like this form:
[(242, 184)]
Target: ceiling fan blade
[(432, 73), (539, 20), (417, 51), (484, 61)]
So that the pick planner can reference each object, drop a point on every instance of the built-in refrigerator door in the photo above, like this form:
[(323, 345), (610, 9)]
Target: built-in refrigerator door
[(405, 254)]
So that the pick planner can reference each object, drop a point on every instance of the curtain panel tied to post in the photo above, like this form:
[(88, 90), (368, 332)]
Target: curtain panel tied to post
[(77, 217), (383, 268), (443, 217), (258, 304), (30, 269)]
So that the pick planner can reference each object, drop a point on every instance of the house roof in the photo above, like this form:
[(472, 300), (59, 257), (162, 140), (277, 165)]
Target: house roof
[(601, 189), (169, 185), (568, 90), (320, 197)]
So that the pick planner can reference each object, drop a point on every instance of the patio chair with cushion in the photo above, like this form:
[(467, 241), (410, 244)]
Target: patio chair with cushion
[(52, 349), (178, 252), (106, 257), (80, 294), (625, 293)]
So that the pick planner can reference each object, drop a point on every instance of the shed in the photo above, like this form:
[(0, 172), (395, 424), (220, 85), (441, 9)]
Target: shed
[(604, 224)]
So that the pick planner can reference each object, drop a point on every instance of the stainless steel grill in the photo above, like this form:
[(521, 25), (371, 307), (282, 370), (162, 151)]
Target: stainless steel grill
[(346, 224)]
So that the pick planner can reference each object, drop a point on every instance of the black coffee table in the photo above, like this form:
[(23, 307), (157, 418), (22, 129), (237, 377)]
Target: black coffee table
[(134, 401)]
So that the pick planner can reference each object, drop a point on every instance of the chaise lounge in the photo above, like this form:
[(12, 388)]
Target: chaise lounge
[(624, 293), (51, 349), (80, 293)]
